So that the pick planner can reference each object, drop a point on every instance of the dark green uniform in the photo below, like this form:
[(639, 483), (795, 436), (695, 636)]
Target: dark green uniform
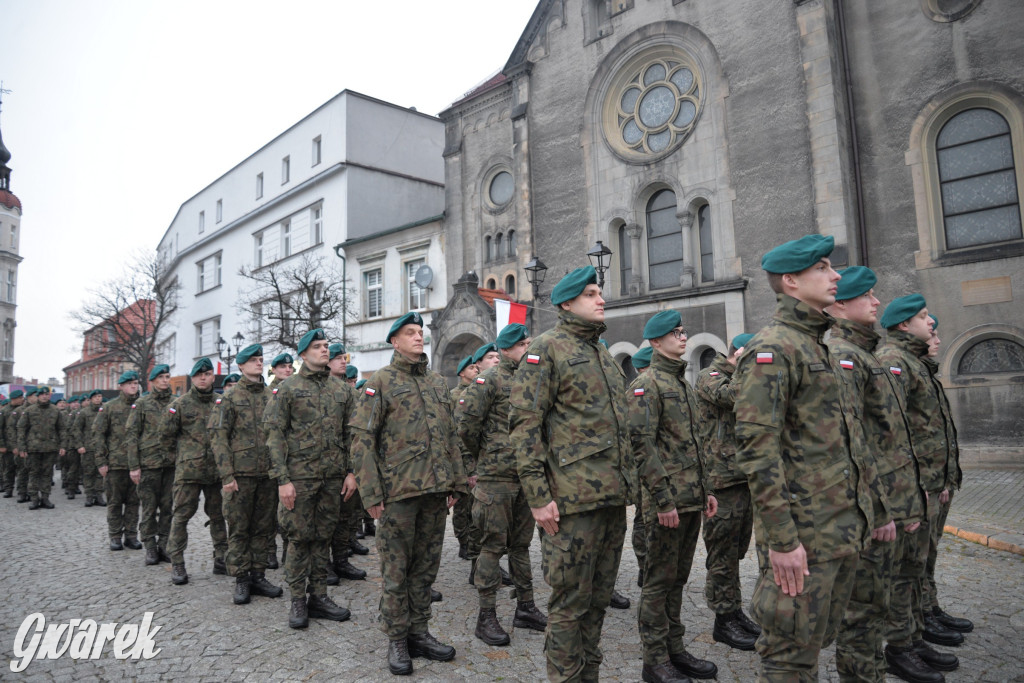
[(462, 513), (406, 456), (8, 467), (663, 428), (81, 437), (727, 534), (41, 435), (569, 426), (879, 414), (195, 472), (20, 464), (149, 451), (108, 446), (793, 443), (71, 465), (308, 439)]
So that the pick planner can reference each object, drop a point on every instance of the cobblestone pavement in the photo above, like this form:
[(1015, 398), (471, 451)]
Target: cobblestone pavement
[(56, 562), (990, 507)]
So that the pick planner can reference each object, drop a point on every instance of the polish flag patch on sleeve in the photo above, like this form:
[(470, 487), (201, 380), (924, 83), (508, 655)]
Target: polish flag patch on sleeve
[(765, 357), (480, 380), (638, 392), (218, 401), (172, 411), (532, 359), (713, 374), (370, 391), (133, 406), (274, 392), (462, 401), (895, 370), (846, 364)]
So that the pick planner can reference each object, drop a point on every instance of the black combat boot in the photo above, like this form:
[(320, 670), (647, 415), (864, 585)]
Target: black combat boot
[(358, 548), (369, 527), (693, 667), (322, 607), (435, 596), (67, 492), (272, 560), (298, 616), (44, 502), (24, 498), (528, 616), (37, 502), (8, 494), (662, 673), (178, 575), (640, 578), (463, 550), (332, 576), (219, 567), (132, 543), (489, 630), (241, 596), (426, 645), (472, 573), (746, 623), (905, 664), (953, 623), (940, 661), (162, 555), (619, 601), (115, 543), (730, 631), (506, 580), (98, 499), (399, 661), (935, 632), (258, 585), (89, 502), (346, 570), (152, 556)]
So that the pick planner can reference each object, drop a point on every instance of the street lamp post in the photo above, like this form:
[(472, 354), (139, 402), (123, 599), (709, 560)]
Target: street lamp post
[(601, 256), (535, 273), (224, 349)]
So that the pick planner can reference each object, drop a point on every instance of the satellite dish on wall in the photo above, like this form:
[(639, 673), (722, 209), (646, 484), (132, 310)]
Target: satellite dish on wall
[(424, 276)]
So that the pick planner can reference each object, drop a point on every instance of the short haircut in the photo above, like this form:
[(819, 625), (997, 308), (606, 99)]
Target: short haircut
[(775, 282)]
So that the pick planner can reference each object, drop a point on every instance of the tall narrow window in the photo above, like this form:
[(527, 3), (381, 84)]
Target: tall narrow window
[(14, 237), (258, 250), (417, 295), (220, 210), (499, 251), (978, 180), (512, 246), (707, 250), (259, 186), (510, 285), (489, 256), (316, 150), (316, 232), (625, 260), (286, 170), (202, 222), (492, 283), (216, 270), (373, 290), (286, 239), (201, 276), (664, 241)]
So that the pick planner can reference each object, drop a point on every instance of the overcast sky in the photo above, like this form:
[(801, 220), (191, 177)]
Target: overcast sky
[(120, 111)]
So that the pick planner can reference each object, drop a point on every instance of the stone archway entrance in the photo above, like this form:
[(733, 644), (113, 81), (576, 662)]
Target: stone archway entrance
[(464, 324)]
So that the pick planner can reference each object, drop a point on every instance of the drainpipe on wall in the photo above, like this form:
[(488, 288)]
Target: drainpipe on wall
[(344, 291), (862, 239)]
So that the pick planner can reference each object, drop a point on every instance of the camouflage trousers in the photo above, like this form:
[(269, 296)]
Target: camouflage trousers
[(410, 534), (71, 470), (186, 504), (669, 559), (580, 563), (859, 655), (937, 513), (639, 536), (344, 531), (505, 525), (727, 539), (8, 469), (92, 482), (794, 629), (905, 621), (22, 474), (156, 498), (122, 505), (464, 526), (249, 512), (308, 527), (40, 478)]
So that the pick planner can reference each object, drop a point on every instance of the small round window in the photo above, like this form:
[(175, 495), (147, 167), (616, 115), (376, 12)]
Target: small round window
[(500, 191)]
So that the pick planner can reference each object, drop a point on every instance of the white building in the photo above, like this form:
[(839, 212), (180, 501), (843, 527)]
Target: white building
[(351, 169)]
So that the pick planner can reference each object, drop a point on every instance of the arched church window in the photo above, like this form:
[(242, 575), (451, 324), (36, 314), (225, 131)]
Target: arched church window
[(664, 241), (992, 356)]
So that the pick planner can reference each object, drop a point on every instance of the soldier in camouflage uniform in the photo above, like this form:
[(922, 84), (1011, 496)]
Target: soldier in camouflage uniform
[(641, 360), (406, 454), (879, 415), (21, 464), (71, 466), (151, 463), (195, 471), (727, 534), (243, 463), (501, 513), (569, 427), (8, 434), (81, 441), (308, 439), (908, 331), (462, 513), (41, 440), (811, 505), (229, 381), (111, 459), (281, 367), (670, 464)]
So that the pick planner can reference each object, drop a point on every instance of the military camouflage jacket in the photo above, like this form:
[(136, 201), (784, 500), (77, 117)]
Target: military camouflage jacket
[(458, 390), (879, 414), (185, 426), (954, 477), (80, 434), (793, 441), (306, 427), (569, 421), (4, 412), (663, 427), (41, 429), (482, 416), (716, 395), (108, 433), (404, 442), (236, 426), (11, 425), (144, 441), (930, 432)]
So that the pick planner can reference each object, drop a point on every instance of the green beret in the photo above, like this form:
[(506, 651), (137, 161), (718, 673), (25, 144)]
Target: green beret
[(58, 399), (17, 393), (661, 323), (573, 284), (798, 255), (511, 335), (856, 280), (642, 358), (233, 377), (935, 321), (130, 376), (464, 363), (360, 383), (335, 350), (5, 402), (902, 309), (351, 372), (248, 353), (309, 338), (740, 340), (159, 370), (30, 392), (95, 392), (202, 365), (43, 389), (282, 358), (410, 318), (479, 354)]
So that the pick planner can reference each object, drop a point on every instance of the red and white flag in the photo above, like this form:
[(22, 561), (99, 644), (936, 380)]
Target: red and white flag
[(506, 313), (765, 357)]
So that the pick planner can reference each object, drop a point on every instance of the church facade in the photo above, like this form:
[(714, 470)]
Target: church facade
[(688, 137)]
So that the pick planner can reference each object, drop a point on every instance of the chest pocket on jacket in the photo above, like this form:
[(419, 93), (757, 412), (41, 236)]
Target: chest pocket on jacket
[(577, 361)]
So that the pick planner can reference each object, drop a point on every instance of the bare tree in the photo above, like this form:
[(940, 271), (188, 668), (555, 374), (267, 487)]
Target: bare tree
[(284, 300), (128, 313)]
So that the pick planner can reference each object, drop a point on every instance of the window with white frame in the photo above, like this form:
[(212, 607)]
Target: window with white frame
[(208, 273), (286, 239), (316, 224), (166, 350), (416, 296), (257, 256), (259, 186), (220, 210), (207, 334), (664, 241), (286, 169), (373, 293), (8, 342), (316, 151), (14, 237), (202, 222), (12, 286)]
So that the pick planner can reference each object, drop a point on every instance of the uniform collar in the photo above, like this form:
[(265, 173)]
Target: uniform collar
[(855, 333), (579, 327), (250, 385), (909, 342), (508, 364), (318, 375), (800, 316), (204, 396), (162, 396), (672, 366), (405, 365)]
